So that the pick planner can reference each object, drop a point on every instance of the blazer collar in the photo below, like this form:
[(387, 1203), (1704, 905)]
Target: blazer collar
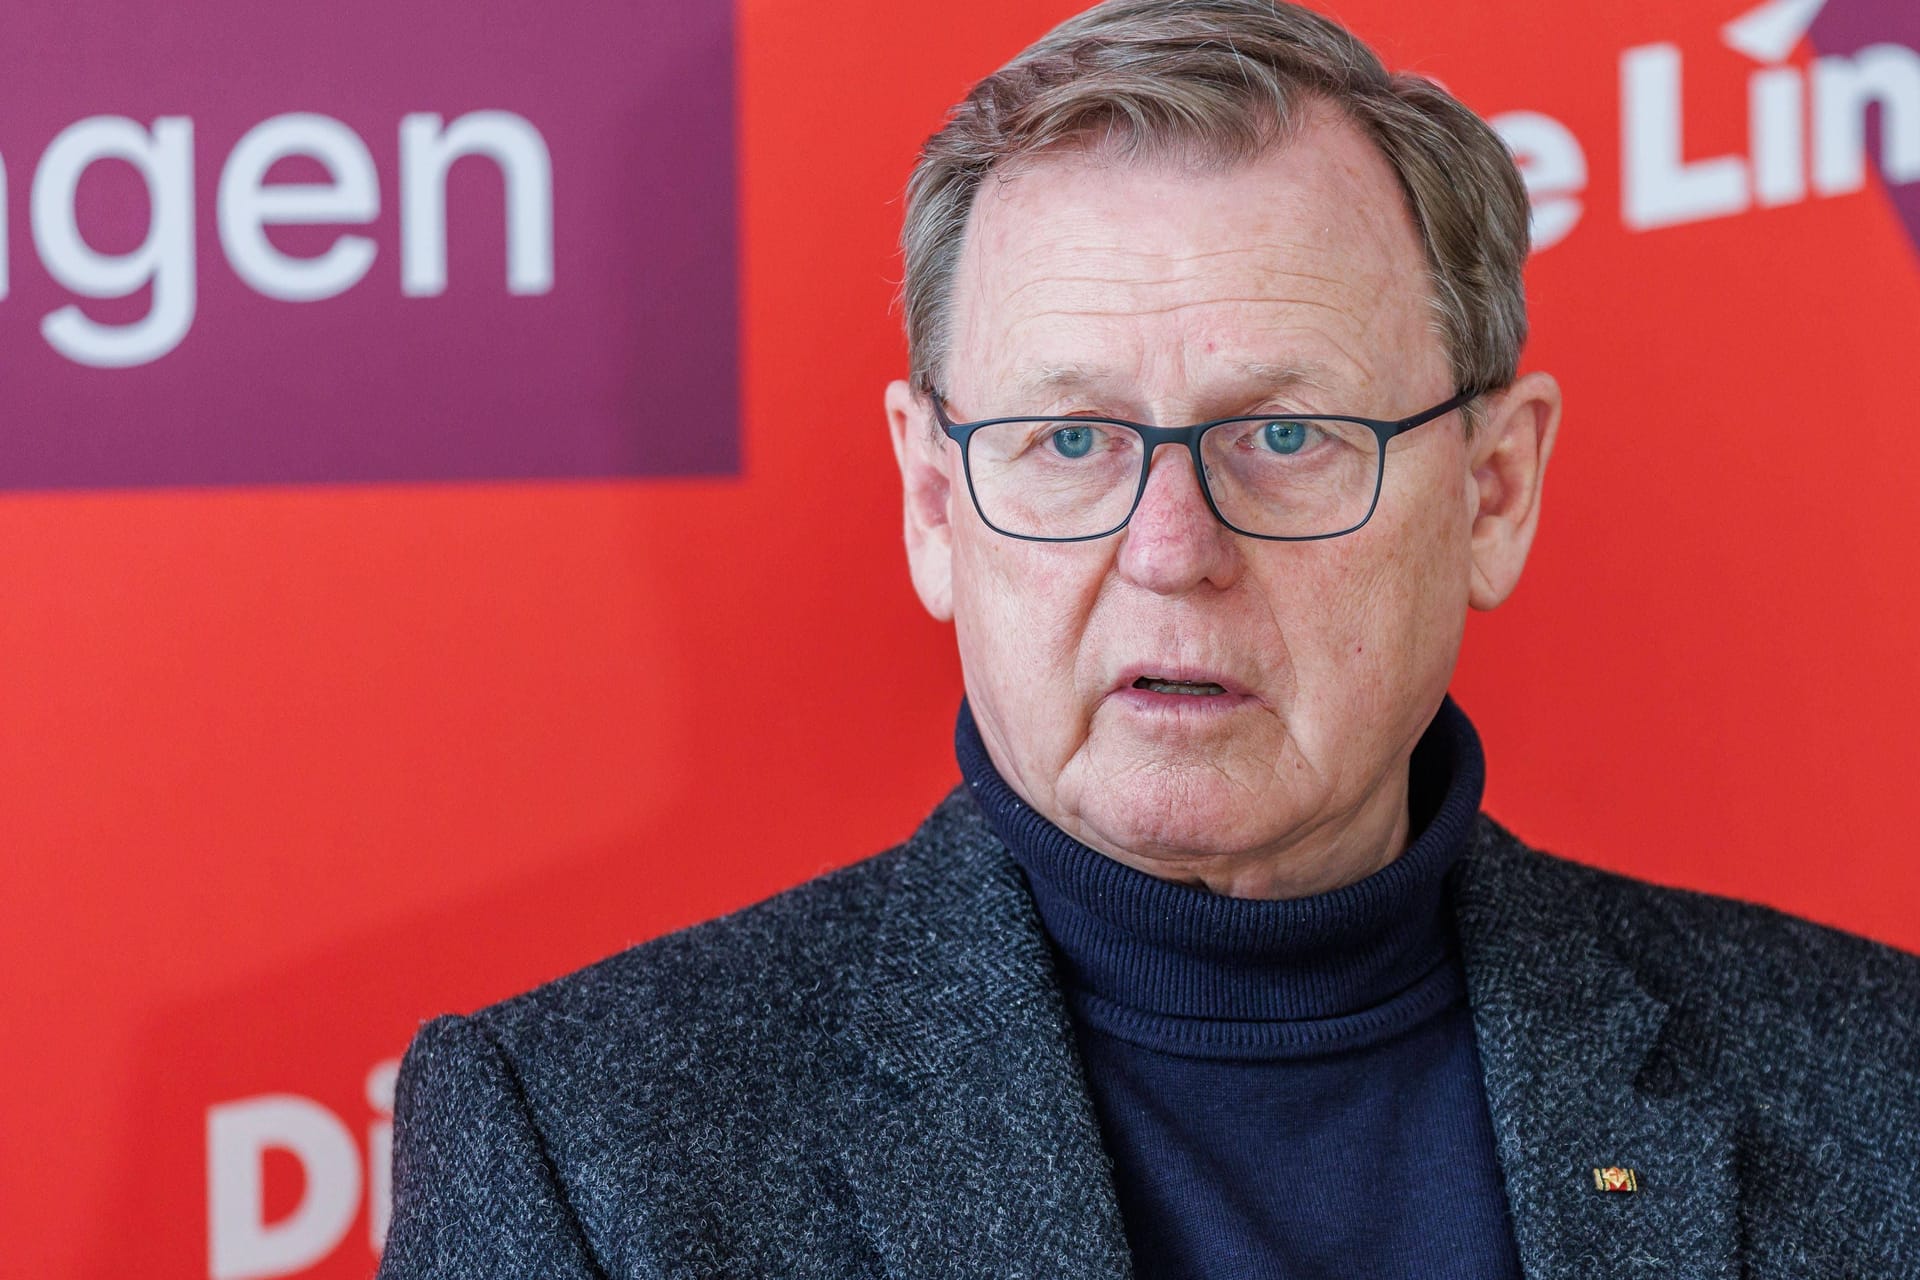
[(972, 1144), (1578, 1058), (973, 1148)]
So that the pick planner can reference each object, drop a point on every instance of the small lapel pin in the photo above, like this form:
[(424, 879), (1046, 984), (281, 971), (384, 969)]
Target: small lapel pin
[(1615, 1180)]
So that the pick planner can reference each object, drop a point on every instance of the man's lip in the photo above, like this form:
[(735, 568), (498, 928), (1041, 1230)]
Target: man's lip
[(1177, 674)]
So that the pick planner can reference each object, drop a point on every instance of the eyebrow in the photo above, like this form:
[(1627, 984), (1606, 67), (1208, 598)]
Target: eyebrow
[(1260, 378)]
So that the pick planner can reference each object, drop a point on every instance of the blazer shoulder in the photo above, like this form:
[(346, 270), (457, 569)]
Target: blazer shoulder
[(783, 965), (1770, 979), (458, 1111), (806, 943), (694, 1071)]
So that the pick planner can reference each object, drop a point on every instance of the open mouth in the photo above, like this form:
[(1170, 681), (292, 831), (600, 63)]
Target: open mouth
[(1190, 688)]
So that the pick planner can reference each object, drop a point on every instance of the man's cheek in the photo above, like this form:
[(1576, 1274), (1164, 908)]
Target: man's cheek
[(1015, 582)]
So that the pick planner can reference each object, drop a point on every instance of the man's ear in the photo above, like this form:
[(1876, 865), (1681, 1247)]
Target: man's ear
[(1509, 453), (921, 449)]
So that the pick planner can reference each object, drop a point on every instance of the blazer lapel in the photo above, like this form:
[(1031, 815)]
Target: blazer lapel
[(1574, 1052), (972, 1145)]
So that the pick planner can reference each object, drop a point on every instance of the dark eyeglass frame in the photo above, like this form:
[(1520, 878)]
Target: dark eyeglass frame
[(1153, 437)]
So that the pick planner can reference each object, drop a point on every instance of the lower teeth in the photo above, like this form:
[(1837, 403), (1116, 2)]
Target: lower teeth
[(1167, 686)]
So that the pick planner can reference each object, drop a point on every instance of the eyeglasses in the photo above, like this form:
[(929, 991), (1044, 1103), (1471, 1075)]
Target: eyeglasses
[(1282, 477)]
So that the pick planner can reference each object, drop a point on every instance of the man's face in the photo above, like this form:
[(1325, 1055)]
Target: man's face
[(1169, 294)]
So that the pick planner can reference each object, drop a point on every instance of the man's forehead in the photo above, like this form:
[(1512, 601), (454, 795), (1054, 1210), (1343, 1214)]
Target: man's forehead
[(1323, 186), (1295, 268)]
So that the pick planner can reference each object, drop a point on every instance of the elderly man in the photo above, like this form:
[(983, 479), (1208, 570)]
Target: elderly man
[(1212, 967)]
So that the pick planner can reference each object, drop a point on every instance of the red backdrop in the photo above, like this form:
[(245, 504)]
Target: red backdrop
[(287, 767)]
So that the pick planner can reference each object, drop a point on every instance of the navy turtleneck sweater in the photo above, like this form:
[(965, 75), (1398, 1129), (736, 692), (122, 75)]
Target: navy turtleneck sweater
[(1288, 1088)]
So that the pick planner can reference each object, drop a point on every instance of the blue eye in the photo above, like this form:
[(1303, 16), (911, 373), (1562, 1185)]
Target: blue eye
[(1073, 442), (1284, 437)]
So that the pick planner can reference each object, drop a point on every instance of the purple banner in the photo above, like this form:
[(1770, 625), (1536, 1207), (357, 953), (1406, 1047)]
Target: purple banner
[(271, 244), (1866, 98)]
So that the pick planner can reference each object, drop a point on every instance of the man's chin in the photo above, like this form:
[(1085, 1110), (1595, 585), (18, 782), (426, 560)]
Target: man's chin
[(1171, 828)]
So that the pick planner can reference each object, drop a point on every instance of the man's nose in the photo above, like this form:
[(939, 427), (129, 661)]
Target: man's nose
[(1173, 543)]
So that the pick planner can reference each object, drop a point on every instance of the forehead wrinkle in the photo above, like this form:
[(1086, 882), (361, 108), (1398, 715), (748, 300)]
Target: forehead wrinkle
[(1101, 297), (1313, 338), (1168, 310), (1136, 270)]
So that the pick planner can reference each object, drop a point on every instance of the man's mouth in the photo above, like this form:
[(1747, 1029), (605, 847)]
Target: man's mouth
[(1191, 688)]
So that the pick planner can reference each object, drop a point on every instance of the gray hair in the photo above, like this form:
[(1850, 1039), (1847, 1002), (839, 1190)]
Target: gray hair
[(1225, 80)]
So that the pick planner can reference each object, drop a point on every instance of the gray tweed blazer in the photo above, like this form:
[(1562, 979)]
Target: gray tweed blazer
[(873, 1075)]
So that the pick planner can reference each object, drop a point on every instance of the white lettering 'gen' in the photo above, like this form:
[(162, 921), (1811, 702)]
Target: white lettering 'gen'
[(165, 259), (247, 204)]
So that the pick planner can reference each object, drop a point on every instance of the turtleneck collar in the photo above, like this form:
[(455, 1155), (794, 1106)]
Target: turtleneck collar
[(1146, 950)]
